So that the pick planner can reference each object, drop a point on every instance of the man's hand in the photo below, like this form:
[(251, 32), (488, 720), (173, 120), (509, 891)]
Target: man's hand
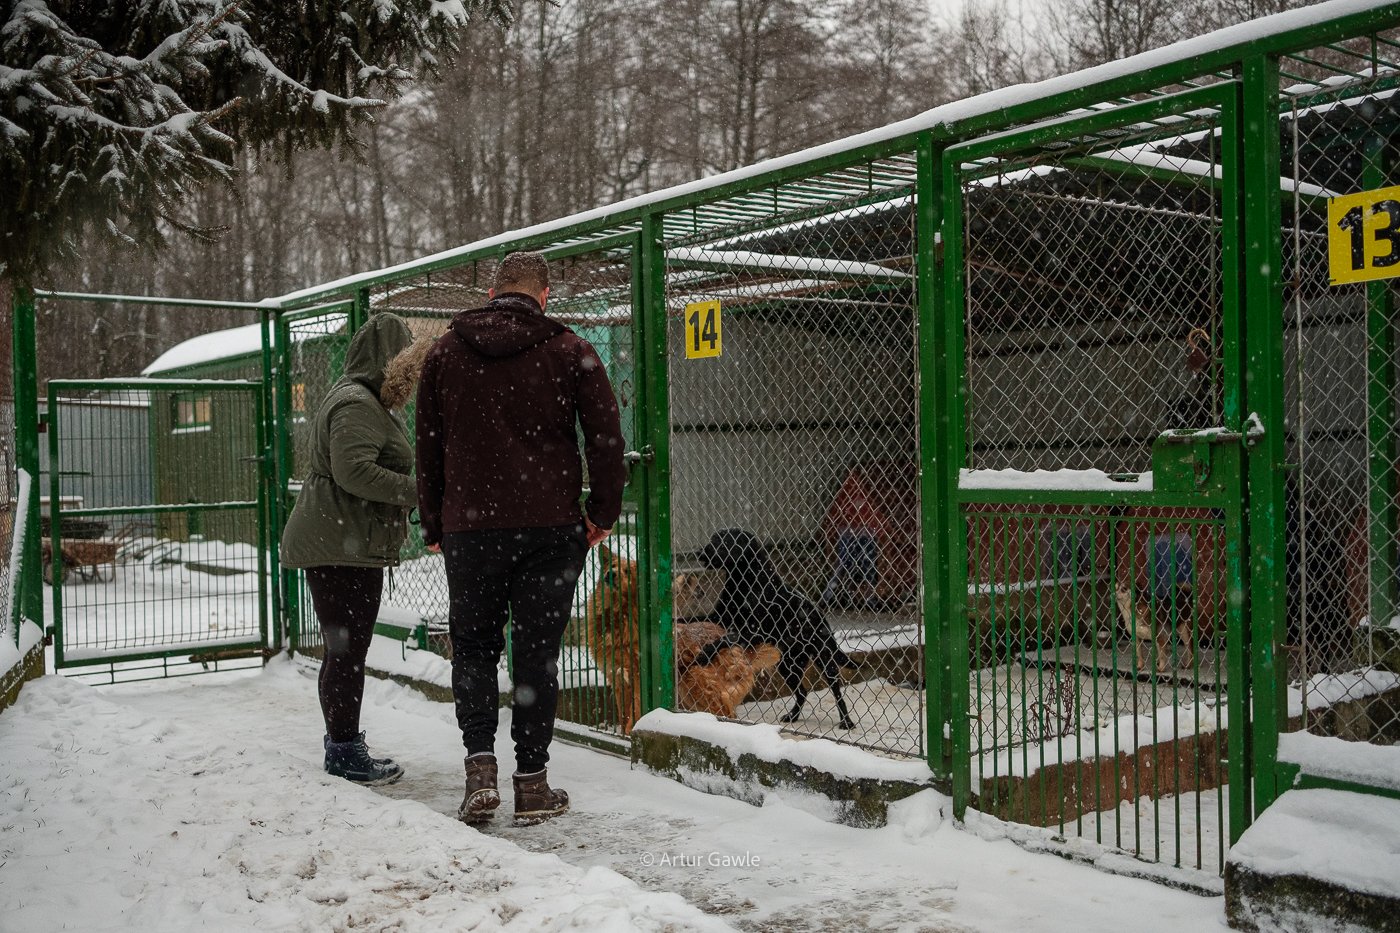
[(595, 534), (435, 549)]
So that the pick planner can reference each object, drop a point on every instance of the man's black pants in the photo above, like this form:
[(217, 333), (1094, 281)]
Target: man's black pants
[(526, 575)]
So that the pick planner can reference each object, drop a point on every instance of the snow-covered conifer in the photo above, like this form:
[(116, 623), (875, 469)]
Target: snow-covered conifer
[(111, 111)]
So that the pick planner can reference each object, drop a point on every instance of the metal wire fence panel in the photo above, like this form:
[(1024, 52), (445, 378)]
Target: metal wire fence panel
[(1092, 264), (1098, 675), (1343, 547), (794, 493), (592, 294), (310, 349), (1093, 297), (315, 348), (154, 544)]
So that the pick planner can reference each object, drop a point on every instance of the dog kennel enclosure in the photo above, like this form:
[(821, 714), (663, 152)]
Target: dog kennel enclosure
[(1052, 400)]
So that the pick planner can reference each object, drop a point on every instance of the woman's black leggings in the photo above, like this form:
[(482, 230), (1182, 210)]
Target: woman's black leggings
[(347, 603)]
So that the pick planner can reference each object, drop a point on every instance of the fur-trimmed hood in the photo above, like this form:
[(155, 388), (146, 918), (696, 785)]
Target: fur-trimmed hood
[(401, 375)]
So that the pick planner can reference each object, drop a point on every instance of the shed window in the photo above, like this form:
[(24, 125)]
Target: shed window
[(299, 398), (190, 411)]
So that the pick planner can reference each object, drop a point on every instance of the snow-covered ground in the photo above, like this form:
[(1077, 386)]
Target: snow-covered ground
[(200, 804)]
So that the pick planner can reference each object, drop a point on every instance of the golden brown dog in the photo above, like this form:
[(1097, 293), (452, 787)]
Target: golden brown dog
[(1140, 618), (611, 617), (718, 687)]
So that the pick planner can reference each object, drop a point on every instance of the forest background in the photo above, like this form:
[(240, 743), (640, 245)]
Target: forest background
[(581, 103)]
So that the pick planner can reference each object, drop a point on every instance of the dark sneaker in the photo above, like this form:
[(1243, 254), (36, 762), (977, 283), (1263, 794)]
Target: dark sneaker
[(535, 800), (351, 760), (482, 798)]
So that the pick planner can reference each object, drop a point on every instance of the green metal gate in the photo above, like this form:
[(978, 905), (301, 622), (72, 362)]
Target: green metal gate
[(1092, 287), (155, 535)]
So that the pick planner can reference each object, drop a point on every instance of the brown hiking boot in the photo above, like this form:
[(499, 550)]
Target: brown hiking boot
[(482, 797), (535, 800)]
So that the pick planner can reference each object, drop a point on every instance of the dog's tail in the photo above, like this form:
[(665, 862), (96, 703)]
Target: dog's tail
[(765, 656)]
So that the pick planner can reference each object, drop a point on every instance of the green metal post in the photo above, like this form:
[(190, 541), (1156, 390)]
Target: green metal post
[(289, 626), (1266, 527), (949, 322), (29, 601), (267, 546), (270, 396), (1380, 419), (938, 510), (359, 310), (654, 564), (54, 425)]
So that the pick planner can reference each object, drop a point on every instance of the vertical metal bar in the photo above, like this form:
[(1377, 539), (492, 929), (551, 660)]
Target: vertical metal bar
[(359, 311), (29, 600), (262, 465), (55, 525), (289, 625), (1261, 384), (658, 669), (937, 509), (1380, 420), (270, 396), (952, 364)]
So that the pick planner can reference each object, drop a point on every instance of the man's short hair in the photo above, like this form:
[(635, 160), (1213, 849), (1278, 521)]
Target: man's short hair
[(522, 272)]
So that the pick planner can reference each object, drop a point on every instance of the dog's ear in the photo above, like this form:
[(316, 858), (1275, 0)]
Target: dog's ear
[(605, 555)]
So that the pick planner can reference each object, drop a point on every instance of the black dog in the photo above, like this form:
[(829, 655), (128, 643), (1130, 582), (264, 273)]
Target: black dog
[(756, 608)]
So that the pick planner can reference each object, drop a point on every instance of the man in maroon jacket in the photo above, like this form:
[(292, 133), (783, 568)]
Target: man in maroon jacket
[(501, 401)]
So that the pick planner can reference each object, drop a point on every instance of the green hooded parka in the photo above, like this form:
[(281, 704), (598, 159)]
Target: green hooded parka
[(353, 508)]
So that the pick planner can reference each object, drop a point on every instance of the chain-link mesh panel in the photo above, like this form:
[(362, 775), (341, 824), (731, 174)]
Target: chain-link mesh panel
[(1093, 284), (794, 493), (311, 346), (1343, 548), (315, 359), (1093, 295), (599, 665), (157, 544)]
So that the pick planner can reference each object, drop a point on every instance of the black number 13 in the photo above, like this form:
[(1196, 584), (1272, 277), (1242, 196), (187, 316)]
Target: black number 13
[(1354, 221)]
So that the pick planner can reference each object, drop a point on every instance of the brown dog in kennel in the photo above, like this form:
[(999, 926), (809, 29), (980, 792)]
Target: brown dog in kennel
[(718, 687), (1169, 588)]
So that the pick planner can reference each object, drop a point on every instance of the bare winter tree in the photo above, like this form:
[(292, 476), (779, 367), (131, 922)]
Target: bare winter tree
[(581, 103), (993, 48), (1091, 32)]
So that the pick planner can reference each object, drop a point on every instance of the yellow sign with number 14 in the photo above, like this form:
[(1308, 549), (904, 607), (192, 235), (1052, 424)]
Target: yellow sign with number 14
[(703, 336), (1363, 236)]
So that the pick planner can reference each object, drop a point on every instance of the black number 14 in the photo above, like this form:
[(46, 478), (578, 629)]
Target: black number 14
[(709, 333), (1354, 221)]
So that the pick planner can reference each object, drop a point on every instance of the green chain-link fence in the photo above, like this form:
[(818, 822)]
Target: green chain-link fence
[(1339, 135)]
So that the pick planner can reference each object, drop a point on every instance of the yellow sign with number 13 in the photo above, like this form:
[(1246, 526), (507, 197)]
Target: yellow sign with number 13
[(1363, 236), (703, 335)]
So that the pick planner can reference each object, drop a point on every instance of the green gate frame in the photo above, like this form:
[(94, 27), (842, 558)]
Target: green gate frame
[(259, 506), (1226, 491)]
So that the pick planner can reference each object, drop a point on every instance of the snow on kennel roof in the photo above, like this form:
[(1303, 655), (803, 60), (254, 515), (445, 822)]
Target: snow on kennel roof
[(216, 346), (943, 115)]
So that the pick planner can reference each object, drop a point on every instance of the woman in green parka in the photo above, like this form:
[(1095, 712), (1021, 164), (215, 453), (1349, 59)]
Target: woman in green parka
[(350, 519)]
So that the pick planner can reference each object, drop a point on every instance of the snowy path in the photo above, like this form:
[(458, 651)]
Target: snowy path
[(200, 804)]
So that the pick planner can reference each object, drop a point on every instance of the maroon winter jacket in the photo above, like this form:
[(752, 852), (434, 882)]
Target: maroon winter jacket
[(499, 405)]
